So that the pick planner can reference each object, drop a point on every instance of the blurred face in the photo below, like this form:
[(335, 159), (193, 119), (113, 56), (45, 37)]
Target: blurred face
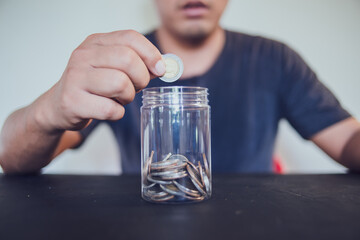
[(190, 20)]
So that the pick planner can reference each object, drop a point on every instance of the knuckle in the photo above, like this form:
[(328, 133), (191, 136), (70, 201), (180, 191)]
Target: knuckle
[(128, 57), (152, 56), (130, 94), (130, 34), (120, 112), (79, 54), (142, 84), (109, 111), (127, 94), (145, 79), (71, 70), (121, 85), (92, 37), (73, 74), (74, 121), (149, 58)]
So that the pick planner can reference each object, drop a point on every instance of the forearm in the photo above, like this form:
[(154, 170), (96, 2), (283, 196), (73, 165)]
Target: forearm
[(24, 145), (350, 156), (104, 67)]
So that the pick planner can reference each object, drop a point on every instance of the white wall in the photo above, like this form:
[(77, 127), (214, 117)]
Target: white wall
[(38, 36)]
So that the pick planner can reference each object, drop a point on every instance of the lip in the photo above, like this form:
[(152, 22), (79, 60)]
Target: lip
[(195, 9)]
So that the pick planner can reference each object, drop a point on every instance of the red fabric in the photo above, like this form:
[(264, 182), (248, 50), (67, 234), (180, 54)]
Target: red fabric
[(278, 168)]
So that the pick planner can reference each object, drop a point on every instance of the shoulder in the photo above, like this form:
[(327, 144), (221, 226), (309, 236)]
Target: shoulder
[(253, 42), (259, 47)]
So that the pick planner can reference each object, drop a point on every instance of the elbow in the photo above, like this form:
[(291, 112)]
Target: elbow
[(9, 168), (2, 159), (5, 167), (350, 156), (5, 159)]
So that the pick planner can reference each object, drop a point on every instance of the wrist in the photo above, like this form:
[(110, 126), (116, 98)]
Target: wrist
[(41, 116)]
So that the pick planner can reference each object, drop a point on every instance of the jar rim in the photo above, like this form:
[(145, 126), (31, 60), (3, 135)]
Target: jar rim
[(175, 95), (169, 89)]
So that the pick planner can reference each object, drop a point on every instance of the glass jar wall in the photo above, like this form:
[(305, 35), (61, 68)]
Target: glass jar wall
[(175, 145)]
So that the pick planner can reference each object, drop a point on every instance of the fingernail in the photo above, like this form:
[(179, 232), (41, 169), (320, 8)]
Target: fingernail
[(160, 68)]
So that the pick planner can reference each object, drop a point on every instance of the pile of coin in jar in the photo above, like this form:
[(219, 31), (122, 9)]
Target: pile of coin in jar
[(176, 178)]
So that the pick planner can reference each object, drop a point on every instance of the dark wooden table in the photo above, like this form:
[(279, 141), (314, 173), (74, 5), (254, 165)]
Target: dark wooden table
[(242, 207)]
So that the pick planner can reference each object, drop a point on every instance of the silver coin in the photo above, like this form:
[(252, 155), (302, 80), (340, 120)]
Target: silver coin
[(200, 198), (206, 182), (150, 161), (172, 189), (201, 173), (194, 175), (178, 166), (165, 173), (178, 175), (186, 190), (194, 168), (163, 164), (191, 183), (179, 157), (149, 186), (172, 167), (153, 194), (198, 187), (163, 199), (147, 164), (181, 161), (206, 165), (150, 179), (174, 68), (166, 157), (195, 181)]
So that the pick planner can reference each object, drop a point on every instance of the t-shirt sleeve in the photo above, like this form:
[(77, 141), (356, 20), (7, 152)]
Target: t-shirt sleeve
[(307, 104), (85, 132)]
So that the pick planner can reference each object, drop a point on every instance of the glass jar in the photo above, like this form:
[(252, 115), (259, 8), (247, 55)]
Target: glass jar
[(175, 145)]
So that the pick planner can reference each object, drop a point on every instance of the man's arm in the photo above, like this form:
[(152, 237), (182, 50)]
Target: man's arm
[(341, 142), (102, 75), (39, 147)]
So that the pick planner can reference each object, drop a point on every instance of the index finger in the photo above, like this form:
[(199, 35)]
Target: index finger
[(136, 41)]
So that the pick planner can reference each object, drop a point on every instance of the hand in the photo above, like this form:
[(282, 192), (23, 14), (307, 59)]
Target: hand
[(103, 74)]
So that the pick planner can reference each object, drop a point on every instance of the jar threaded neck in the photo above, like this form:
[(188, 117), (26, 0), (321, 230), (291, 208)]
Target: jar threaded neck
[(179, 95)]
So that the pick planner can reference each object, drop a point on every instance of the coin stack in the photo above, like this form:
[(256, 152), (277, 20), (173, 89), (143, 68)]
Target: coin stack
[(175, 178)]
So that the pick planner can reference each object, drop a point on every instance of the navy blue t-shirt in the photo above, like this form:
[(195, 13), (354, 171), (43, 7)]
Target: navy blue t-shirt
[(254, 83)]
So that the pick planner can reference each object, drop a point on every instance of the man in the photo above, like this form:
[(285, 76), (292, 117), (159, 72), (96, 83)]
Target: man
[(253, 83)]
